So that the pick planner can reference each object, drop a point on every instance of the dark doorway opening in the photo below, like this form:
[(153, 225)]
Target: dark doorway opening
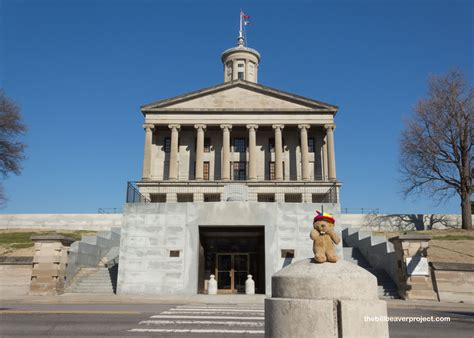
[(231, 253)]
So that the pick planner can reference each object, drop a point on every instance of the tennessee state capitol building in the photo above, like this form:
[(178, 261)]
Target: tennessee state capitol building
[(232, 176)]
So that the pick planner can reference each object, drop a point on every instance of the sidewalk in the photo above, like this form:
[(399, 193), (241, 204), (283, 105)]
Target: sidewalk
[(75, 298)]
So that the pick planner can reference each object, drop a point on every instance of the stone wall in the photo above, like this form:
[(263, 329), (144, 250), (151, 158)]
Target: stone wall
[(15, 276), (151, 231), (453, 282), (93, 222)]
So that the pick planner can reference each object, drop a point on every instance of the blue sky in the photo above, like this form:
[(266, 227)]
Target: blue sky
[(81, 69)]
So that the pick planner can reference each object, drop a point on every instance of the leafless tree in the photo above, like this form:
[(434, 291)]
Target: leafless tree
[(436, 153), (11, 150)]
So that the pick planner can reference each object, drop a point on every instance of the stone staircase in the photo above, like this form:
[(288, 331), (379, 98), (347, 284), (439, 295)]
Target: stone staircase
[(375, 254), (94, 280)]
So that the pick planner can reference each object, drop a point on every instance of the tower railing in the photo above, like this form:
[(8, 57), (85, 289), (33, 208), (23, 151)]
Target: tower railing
[(134, 195)]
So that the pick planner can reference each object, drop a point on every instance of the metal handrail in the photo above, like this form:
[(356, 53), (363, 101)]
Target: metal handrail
[(134, 195)]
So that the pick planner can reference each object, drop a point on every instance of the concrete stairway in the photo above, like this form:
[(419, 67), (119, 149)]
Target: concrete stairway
[(375, 254), (94, 280), (386, 287)]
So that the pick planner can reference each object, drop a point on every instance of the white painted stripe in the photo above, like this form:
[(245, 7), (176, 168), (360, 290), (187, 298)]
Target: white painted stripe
[(210, 313), (206, 317), (217, 310), (200, 322), (198, 331)]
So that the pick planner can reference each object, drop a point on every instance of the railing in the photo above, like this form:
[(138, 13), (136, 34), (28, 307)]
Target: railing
[(134, 195), (360, 210), (109, 210)]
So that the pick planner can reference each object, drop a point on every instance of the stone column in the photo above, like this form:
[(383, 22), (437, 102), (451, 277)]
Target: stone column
[(413, 271), (252, 151), (173, 173), (304, 151), (331, 155), (199, 151), (49, 264), (234, 70), (278, 152), (225, 168), (147, 160)]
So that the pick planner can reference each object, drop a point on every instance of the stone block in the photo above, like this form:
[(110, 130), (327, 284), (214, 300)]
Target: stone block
[(363, 319), (300, 318), (421, 295)]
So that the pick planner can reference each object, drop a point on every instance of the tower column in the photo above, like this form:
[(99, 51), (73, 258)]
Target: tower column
[(225, 168), (252, 151), (199, 151), (147, 160), (278, 152), (173, 173), (330, 154), (304, 151)]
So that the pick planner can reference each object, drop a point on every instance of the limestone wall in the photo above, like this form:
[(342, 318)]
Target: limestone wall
[(453, 282), (14, 280), (93, 222)]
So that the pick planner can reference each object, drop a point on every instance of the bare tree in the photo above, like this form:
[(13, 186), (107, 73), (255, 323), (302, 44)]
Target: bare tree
[(436, 154), (11, 150)]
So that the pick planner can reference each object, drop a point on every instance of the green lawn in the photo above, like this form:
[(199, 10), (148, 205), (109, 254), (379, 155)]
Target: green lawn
[(21, 239)]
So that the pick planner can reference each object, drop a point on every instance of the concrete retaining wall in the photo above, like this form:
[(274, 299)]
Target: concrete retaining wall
[(15, 277), (454, 282), (93, 222)]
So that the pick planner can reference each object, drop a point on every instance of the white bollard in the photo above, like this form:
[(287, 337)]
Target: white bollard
[(212, 286), (249, 286)]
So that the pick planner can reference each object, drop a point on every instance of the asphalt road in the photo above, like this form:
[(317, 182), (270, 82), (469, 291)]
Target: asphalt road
[(193, 321)]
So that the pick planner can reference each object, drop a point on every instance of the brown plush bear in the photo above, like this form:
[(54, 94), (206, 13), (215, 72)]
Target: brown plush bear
[(324, 238)]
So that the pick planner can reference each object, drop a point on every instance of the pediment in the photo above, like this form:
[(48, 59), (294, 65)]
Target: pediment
[(239, 96)]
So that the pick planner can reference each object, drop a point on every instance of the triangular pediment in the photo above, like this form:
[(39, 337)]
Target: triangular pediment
[(239, 96)]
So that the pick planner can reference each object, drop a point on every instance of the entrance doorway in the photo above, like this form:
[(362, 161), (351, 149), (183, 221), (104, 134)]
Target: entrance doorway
[(231, 253)]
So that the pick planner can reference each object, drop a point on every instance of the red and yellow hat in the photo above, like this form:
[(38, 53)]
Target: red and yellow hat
[(323, 216)]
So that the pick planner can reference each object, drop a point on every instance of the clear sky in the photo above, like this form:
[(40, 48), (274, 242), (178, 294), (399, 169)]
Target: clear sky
[(81, 69)]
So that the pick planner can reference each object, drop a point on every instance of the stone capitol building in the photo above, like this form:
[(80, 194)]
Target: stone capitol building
[(232, 176)]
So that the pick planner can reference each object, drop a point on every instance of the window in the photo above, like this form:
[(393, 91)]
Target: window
[(212, 197), (158, 198), (287, 253), (293, 198), (271, 145), (240, 75), (240, 65), (207, 145), (272, 172), (184, 197), (239, 145), (311, 145), (174, 253), (205, 171), (318, 198), (240, 170), (266, 197), (167, 144)]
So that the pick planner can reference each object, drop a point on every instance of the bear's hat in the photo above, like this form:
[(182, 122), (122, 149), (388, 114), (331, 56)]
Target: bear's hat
[(323, 216)]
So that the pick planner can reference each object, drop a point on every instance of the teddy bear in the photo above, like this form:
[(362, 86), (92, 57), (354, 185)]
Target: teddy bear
[(324, 238)]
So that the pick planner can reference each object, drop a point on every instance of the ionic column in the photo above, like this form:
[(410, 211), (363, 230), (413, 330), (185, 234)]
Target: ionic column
[(225, 168), (278, 152), (331, 155), (199, 151), (146, 173), (304, 151), (173, 174), (252, 151)]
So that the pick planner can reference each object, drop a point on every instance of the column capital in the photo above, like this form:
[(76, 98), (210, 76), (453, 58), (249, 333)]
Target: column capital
[(304, 126), (278, 126), (331, 126), (174, 126), (148, 126), (200, 126), (252, 126), (226, 126)]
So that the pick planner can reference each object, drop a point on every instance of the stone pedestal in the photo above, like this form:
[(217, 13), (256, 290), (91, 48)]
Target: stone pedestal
[(413, 271), (324, 300), (49, 264)]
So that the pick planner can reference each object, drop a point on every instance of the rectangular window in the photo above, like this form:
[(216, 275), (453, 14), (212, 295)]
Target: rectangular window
[(167, 144), (266, 197), (212, 197), (207, 145), (205, 171), (272, 172), (311, 145), (240, 170), (174, 253), (293, 198), (240, 65), (240, 75), (158, 198), (318, 198), (271, 145), (239, 145), (184, 197)]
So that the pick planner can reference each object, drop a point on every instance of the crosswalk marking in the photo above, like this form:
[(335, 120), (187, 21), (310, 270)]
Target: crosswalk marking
[(206, 319)]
